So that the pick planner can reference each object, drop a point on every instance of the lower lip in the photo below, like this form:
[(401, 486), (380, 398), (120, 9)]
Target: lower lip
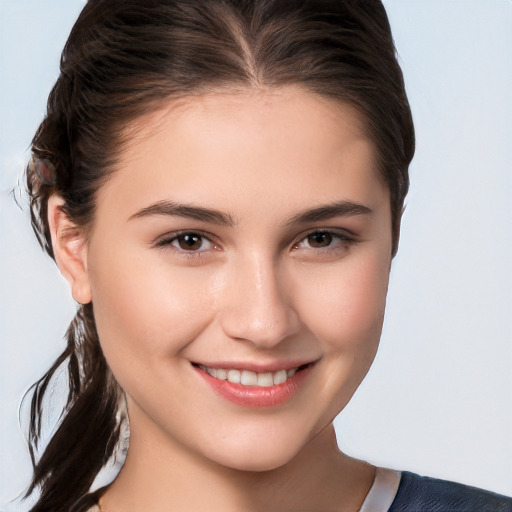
[(256, 396)]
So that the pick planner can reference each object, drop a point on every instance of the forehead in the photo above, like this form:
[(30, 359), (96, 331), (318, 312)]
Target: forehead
[(247, 144)]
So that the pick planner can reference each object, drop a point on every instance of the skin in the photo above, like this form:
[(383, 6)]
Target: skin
[(255, 290)]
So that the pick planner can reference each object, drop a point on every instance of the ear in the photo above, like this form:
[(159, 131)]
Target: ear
[(70, 250)]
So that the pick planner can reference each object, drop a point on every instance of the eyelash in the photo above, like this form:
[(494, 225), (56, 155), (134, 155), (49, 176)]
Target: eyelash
[(344, 240), (167, 242)]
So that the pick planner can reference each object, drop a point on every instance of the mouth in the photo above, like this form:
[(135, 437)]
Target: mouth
[(255, 387), (252, 378)]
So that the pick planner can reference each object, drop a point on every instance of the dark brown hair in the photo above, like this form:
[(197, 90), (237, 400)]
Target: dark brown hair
[(123, 59)]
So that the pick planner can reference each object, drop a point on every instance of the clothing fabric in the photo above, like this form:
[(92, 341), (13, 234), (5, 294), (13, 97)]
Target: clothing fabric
[(423, 494), (395, 491), (383, 491)]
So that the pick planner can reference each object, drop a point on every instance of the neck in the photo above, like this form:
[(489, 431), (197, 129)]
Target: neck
[(160, 474)]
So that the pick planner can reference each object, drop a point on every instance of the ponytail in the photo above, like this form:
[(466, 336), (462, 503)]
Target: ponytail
[(87, 436)]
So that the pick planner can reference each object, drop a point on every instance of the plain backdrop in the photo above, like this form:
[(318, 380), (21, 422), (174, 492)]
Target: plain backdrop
[(438, 400)]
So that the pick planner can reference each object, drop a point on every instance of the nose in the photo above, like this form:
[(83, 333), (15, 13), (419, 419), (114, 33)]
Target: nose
[(257, 304)]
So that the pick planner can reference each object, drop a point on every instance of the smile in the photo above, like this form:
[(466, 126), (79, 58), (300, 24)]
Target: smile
[(250, 378), (249, 388)]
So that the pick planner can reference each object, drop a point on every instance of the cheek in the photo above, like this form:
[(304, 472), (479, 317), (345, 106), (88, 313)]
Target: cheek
[(345, 312), (146, 309), (345, 307)]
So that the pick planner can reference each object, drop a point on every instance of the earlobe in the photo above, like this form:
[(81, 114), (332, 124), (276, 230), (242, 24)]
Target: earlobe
[(70, 249)]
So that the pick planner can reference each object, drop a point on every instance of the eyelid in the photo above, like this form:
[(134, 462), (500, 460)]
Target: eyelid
[(164, 241), (337, 232)]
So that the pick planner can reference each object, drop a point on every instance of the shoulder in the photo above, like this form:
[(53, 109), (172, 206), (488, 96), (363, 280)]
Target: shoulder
[(423, 494)]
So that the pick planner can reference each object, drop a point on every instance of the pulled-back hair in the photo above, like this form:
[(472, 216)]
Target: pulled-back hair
[(124, 59)]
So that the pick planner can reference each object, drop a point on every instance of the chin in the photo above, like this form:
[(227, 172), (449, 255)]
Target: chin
[(259, 454), (261, 463)]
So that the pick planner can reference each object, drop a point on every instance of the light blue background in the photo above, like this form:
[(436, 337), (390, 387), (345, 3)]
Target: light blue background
[(439, 398)]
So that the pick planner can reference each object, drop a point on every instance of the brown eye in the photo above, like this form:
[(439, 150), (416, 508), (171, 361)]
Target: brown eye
[(319, 240), (325, 242), (189, 242)]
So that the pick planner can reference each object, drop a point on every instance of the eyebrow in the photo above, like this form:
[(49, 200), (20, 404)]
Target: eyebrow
[(325, 212), (329, 211), (170, 208)]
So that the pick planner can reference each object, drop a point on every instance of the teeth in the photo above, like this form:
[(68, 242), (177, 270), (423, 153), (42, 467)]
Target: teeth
[(222, 374), (289, 373), (265, 380), (280, 377), (249, 378), (234, 376)]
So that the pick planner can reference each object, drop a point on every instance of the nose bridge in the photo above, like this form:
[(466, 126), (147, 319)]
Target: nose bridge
[(257, 306)]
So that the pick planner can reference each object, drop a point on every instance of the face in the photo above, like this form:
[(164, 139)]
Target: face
[(242, 236)]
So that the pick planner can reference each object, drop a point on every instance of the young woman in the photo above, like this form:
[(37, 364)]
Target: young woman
[(221, 183)]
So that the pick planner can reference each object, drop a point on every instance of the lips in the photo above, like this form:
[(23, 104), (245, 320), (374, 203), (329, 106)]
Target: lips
[(262, 387)]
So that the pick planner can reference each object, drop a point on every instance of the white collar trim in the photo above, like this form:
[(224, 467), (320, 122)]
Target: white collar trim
[(383, 491)]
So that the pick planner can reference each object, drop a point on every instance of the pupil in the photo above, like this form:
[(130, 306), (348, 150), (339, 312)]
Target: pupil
[(320, 240), (189, 242)]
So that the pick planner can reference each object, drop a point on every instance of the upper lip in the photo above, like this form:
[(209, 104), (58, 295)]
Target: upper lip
[(270, 367)]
